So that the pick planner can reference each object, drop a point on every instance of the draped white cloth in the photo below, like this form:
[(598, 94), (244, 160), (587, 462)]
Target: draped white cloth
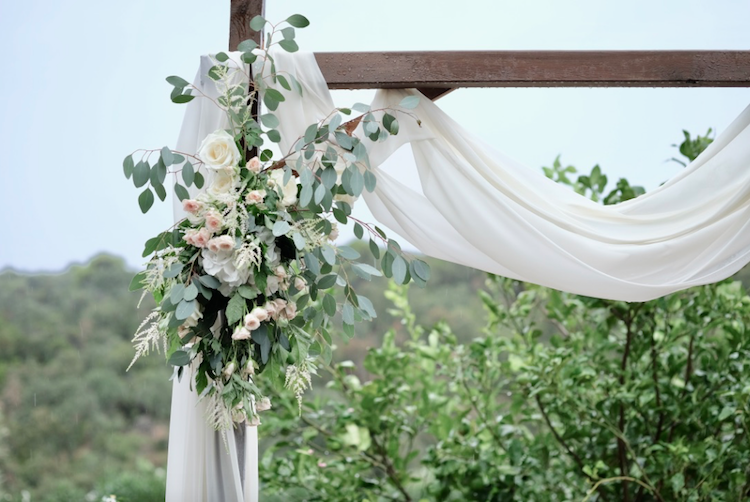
[(479, 208)]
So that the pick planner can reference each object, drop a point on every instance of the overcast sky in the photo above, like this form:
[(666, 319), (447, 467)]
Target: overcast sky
[(83, 86)]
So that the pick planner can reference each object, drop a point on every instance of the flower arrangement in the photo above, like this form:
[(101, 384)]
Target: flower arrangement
[(244, 283)]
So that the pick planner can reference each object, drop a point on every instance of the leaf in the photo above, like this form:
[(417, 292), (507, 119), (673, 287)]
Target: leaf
[(374, 249), (257, 23), (409, 102), (191, 292), (320, 192), (141, 174), (329, 305), (348, 253), (361, 107), (399, 269), (167, 157), (209, 281), (359, 232), (273, 135), (161, 192), (137, 282), (270, 120), (726, 412), (347, 313), (185, 309), (289, 45), (327, 281), (260, 336), (299, 241), (146, 200), (248, 292), (280, 228), (284, 82), (421, 270), (127, 166), (370, 181), (312, 263), (235, 309), (367, 269), (188, 173), (178, 81), (173, 271), (298, 21), (305, 195), (222, 57), (329, 255), (198, 180), (247, 45), (177, 293), (390, 123), (182, 99), (179, 358), (181, 192)]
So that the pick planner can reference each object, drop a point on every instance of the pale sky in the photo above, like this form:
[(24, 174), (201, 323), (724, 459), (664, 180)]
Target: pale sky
[(83, 86)]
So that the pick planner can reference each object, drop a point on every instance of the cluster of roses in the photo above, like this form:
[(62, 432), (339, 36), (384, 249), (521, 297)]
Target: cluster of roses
[(277, 309), (233, 247)]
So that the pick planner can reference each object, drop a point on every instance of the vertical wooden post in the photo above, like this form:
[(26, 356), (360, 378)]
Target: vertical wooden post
[(242, 11)]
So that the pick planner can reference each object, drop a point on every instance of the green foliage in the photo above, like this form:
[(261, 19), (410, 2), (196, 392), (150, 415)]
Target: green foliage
[(562, 398), (71, 416)]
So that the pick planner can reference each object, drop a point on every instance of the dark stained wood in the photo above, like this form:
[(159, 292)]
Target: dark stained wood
[(435, 93), (242, 11), (449, 70)]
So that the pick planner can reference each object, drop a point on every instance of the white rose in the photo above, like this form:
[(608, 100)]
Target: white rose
[(288, 191), (251, 322), (228, 370), (261, 313), (241, 333), (221, 265), (219, 151), (299, 284), (272, 285), (280, 272), (223, 183), (334, 232), (263, 405)]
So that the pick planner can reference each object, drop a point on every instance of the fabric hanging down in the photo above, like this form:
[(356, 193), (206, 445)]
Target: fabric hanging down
[(481, 209)]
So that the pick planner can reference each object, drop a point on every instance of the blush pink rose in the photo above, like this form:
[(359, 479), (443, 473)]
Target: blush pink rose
[(251, 322), (214, 221), (260, 313), (254, 165), (241, 333), (255, 196), (192, 206), (222, 244)]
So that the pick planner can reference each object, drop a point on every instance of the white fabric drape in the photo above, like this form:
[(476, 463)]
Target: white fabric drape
[(482, 209), (200, 467)]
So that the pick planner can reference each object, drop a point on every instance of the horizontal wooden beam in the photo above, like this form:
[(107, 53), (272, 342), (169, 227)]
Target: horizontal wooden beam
[(449, 70)]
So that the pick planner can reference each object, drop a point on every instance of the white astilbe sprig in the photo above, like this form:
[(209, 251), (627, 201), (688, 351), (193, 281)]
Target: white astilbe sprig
[(218, 415), (250, 253), (311, 233), (298, 379), (154, 273), (149, 336)]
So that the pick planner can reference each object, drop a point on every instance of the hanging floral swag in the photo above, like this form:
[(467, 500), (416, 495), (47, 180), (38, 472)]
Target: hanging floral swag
[(244, 284)]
